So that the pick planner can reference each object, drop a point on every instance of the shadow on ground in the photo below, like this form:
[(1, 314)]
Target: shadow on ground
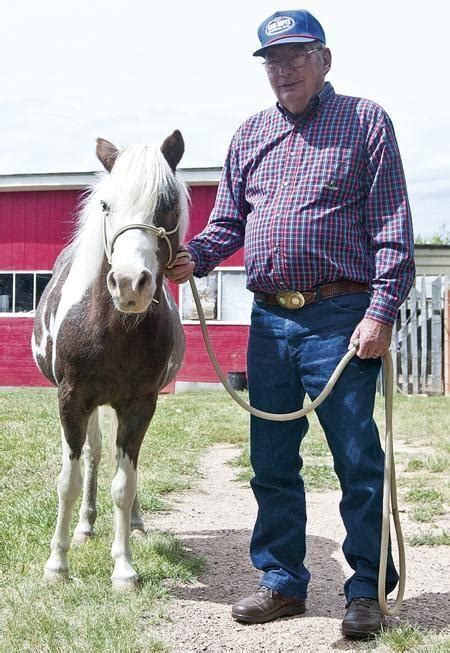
[(229, 576)]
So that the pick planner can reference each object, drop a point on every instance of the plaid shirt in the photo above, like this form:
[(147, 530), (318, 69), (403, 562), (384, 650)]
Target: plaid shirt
[(315, 199)]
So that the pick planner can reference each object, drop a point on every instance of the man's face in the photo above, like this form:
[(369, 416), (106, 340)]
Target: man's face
[(293, 84)]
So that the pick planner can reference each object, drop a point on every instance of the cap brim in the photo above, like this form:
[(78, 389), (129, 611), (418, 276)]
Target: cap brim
[(294, 39)]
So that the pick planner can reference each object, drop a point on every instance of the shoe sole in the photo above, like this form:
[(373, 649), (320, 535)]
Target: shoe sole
[(282, 612), (359, 634)]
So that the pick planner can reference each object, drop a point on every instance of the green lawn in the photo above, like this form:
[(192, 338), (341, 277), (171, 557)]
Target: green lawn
[(84, 614)]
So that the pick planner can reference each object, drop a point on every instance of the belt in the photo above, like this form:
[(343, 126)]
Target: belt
[(294, 299)]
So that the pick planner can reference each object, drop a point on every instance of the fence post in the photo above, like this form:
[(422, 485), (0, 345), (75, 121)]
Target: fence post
[(423, 333), (404, 348), (436, 337), (414, 352), (394, 344), (447, 336)]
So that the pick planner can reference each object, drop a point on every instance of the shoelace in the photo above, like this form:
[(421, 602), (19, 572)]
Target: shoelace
[(262, 589), (364, 603)]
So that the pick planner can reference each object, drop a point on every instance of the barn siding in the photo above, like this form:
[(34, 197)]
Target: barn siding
[(17, 366), (229, 344), (34, 227)]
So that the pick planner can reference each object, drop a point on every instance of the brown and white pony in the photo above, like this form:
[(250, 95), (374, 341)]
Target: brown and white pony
[(107, 332)]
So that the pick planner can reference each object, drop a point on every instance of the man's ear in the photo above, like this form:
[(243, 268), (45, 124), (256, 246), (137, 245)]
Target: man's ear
[(173, 149), (326, 56), (107, 153)]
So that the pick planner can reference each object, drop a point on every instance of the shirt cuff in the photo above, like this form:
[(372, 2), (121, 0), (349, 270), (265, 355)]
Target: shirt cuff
[(382, 310), (196, 260)]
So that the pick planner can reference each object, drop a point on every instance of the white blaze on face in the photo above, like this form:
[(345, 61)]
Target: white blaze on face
[(134, 268)]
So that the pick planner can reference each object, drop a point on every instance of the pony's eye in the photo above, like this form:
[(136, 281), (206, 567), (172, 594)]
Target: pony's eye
[(105, 207)]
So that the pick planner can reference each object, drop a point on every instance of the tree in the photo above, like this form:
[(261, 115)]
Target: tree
[(439, 237)]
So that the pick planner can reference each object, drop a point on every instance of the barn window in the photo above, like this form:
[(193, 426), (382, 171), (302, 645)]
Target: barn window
[(223, 295), (20, 292), (6, 292), (24, 292), (207, 291)]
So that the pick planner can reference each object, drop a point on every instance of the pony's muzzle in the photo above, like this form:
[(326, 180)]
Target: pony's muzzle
[(131, 292)]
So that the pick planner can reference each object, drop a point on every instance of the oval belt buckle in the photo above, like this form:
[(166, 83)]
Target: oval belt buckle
[(291, 299)]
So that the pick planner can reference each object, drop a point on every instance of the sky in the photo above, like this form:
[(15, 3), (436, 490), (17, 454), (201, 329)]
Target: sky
[(135, 70)]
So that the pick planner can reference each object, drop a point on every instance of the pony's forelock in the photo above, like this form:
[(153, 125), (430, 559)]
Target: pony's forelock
[(140, 177)]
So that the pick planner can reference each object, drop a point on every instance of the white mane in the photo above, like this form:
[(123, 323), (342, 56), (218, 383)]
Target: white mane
[(139, 178)]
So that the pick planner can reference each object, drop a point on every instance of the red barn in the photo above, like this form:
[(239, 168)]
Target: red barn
[(37, 214)]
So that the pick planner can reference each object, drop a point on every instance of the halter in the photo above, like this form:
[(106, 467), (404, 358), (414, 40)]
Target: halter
[(159, 232)]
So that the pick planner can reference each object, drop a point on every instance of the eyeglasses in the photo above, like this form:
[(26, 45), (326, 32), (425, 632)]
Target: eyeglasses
[(297, 61)]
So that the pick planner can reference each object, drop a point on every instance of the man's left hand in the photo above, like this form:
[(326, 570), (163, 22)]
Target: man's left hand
[(374, 338)]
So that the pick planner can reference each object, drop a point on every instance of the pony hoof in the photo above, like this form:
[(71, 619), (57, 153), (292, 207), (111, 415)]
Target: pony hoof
[(125, 584), (138, 532), (52, 576)]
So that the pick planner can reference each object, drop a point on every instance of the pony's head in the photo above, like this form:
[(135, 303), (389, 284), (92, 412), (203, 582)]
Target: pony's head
[(145, 214)]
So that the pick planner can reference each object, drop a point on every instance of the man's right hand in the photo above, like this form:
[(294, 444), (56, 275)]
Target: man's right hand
[(181, 268)]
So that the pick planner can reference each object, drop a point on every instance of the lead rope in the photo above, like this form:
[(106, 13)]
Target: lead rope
[(389, 484)]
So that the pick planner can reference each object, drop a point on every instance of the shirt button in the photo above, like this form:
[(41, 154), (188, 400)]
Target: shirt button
[(291, 153), (275, 249), (285, 183)]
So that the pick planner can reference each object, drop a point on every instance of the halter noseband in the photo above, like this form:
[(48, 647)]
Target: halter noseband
[(160, 232)]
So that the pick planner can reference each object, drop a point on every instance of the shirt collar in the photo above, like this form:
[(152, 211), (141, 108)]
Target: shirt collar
[(317, 101)]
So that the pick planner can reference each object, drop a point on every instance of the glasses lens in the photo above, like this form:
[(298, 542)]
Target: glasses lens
[(297, 61)]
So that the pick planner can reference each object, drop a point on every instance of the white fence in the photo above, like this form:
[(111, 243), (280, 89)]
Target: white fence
[(420, 341)]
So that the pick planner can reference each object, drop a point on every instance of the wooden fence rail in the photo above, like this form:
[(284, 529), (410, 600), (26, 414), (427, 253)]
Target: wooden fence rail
[(420, 342)]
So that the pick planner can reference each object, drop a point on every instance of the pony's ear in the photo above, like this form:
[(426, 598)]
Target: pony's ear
[(107, 153), (173, 149)]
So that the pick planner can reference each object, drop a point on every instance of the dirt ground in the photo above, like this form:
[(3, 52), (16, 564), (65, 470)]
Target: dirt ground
[(214, 521)]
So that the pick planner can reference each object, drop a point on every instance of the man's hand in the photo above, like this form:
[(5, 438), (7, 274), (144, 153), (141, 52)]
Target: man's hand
[(374, 338), (181, 268)]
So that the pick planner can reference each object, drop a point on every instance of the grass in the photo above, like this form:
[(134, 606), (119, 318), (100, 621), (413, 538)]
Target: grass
[(84, 614), (428, 502), (408, 639), (430, 539), (436, 464)]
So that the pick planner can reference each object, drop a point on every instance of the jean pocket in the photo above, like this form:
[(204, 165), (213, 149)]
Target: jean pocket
[(353, 303)]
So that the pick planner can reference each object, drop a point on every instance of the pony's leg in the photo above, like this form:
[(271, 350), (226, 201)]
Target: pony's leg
[(137, 523), (69, 487), (132, 426), (91, 454)]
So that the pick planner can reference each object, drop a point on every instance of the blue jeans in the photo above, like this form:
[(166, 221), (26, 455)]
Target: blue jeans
[(291, 352)]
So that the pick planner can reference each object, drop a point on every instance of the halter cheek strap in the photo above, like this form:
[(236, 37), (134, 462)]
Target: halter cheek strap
[(160, 232)]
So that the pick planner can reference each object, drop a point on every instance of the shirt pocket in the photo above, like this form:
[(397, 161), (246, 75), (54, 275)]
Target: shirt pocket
[(331, 175)]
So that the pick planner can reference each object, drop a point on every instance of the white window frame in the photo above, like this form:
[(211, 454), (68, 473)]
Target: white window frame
[(218, 321), (29, 314)]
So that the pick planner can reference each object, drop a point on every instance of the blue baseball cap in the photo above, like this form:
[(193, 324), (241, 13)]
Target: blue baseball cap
[(298, 26)]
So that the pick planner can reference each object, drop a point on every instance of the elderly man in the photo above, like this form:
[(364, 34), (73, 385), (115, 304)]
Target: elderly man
[(314, 190)]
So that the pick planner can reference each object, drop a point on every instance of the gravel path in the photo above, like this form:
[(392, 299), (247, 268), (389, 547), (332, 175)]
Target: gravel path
[(215, 521)]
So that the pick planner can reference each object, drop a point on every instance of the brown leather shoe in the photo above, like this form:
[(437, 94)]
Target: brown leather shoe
[(363, 620), (266, 604)]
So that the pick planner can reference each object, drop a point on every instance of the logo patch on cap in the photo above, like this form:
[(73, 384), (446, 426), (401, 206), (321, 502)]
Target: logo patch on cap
[(279, 24)]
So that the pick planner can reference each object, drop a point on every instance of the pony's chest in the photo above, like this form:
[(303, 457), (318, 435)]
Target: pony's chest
[(128, 348)]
